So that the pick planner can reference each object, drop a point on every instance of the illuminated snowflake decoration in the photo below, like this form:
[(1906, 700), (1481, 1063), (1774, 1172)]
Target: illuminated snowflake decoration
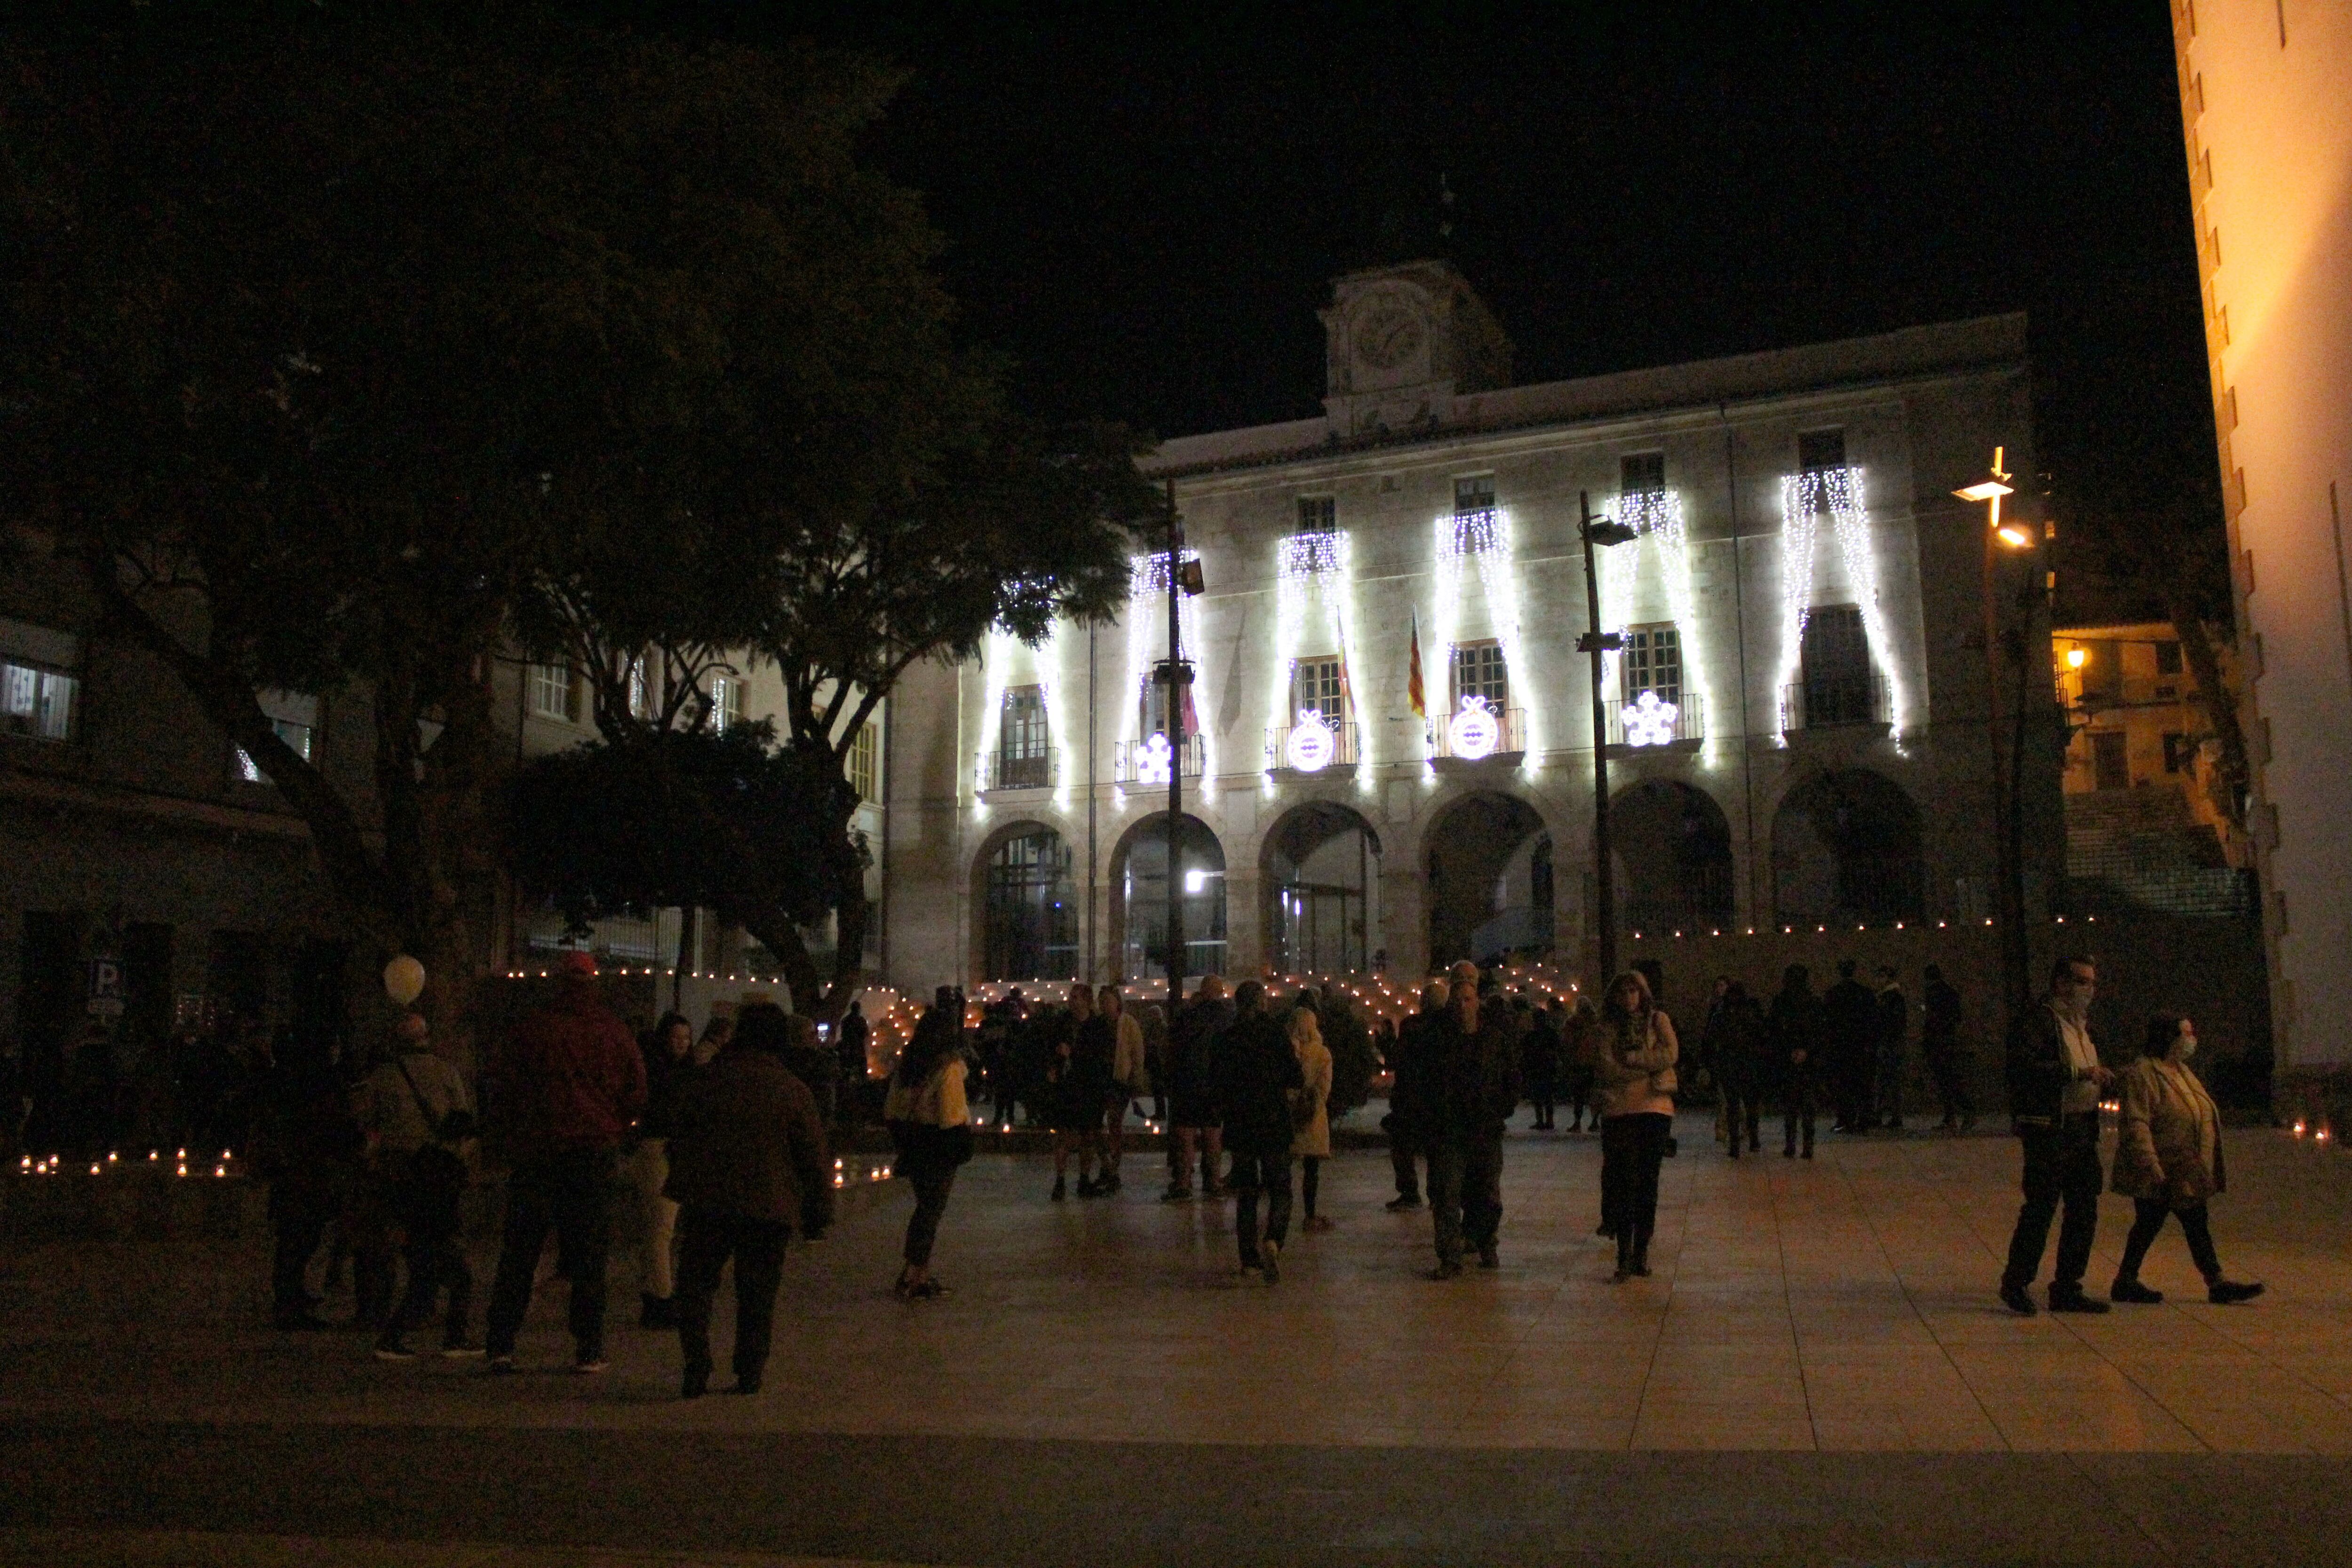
[(1474, 732), (1311, 745), (1649, 722), (1156, 763)]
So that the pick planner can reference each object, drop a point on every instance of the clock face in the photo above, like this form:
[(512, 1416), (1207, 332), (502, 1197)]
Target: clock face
[(1386, 333)]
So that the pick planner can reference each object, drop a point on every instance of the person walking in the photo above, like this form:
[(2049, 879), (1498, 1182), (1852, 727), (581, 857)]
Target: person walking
[(1540, 1065), (1946, 1052), (2055, 1079), (1795, 1026), (1636, 1073), (748, 1165), (2168, 1161), (1193, 1036), (1476, 1078), (572, 1082), (1310, 1112), (1130, 1078), (1412, 1117), (1258, 1072), (669, 1066), (1734, 1036), (1579, 1044), (414, 1113), (1849, 1034), (852, 1071), (1894, 1047), (308, 1149), (1073, 1088), (931, 1127)]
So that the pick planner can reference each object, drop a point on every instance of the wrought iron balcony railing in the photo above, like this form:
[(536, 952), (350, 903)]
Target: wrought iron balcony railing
[(1652, 720)]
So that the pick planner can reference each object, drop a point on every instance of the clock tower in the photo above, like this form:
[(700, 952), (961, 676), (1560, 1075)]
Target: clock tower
[(1402, 340)]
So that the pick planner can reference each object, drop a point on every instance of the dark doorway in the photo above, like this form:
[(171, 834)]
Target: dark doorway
[(1322, 873), (1845, 850), (2111, 759), (1139, 880), (1673, 846), (1489, 856)]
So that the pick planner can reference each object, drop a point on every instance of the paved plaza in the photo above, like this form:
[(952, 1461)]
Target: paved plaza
[(1818, 1371)]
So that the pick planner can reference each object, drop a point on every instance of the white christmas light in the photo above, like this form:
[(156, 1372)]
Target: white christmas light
[(1155, 764), (1474, 731), (1803, 499), (1311, 745), (1649, 722)]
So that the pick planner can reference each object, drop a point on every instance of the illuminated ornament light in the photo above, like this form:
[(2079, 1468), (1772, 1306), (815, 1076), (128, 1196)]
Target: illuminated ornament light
[(1311, 745), (1649, 722), (1156, 765), (1474, 731)]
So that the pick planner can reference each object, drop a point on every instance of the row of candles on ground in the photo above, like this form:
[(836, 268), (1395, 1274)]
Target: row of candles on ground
[(2304, 1129), (54, 1163), (1899, 925), (843, 1174)]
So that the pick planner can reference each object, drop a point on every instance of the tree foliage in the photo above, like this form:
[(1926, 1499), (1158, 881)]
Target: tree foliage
[(346, 346)]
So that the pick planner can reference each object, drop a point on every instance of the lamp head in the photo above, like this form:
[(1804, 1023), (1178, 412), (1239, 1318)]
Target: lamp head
[(1608, 531), (1984, 489), (2014, 536)]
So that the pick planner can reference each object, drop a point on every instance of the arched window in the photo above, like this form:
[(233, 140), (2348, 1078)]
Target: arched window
[(1030, 910)]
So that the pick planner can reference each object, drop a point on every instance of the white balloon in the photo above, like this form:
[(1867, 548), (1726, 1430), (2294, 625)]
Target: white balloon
[(403, 979)]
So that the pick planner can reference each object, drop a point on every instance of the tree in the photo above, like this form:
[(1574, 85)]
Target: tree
[(344, 347)]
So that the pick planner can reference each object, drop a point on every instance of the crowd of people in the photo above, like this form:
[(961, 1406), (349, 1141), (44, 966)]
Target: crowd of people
[(724, 1140)]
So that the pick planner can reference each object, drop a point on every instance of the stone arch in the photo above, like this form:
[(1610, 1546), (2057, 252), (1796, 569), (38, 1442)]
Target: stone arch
[(1673, 847), (1320, 867), (1488, 861), (1025, 892), (1846, 850), (1139, 898)]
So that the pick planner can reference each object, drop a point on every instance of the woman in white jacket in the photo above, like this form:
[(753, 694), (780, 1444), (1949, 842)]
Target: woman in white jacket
[(1130, 1078), (1310, 1112), (1634, 1075)]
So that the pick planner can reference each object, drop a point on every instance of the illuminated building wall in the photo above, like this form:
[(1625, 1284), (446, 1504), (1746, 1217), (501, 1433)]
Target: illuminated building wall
[(2269, 143), (1433, 496)]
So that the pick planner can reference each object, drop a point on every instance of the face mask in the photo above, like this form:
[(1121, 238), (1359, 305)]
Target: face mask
[(2184, 1048)]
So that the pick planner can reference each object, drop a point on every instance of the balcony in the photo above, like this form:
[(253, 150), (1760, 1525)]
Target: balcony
[(1479, 735), (2080, 695), (1145, 763), (1306, 749), (1653, 725), (1022, 768), (1840, 702)]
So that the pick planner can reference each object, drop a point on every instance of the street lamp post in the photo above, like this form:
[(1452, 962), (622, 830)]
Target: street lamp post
[(1595, 642), (1178, 675), (2009, 852)]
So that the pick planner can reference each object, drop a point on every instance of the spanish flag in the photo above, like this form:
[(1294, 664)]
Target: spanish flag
[(1413, 694)]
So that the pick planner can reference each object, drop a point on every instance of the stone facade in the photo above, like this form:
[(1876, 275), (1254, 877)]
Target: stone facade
[(1825, 759), (2270, 165)]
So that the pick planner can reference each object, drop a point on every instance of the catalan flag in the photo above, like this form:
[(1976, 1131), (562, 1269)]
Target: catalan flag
[(1413, 693)]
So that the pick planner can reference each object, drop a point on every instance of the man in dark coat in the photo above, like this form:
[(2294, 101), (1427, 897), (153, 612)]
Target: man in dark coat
[(1946, 1054), (1849, 1040), (2054, 1080), (1410, 1111), (1475, 1087), (1892, 1046), (1255, 1071), (748, 1166), (1193, 1044), (1795, 1027), (572, 1082)]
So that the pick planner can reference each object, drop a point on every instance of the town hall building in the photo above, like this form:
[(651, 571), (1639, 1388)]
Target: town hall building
[(1387, 750)]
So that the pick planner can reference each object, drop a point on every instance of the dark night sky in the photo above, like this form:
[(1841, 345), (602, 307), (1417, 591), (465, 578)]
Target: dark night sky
[(1146, 211)]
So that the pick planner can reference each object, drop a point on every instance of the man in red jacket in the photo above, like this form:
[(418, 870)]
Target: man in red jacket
[(573, 1083)]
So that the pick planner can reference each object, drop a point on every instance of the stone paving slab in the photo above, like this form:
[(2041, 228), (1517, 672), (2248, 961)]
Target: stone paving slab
[(1842, 1304)]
